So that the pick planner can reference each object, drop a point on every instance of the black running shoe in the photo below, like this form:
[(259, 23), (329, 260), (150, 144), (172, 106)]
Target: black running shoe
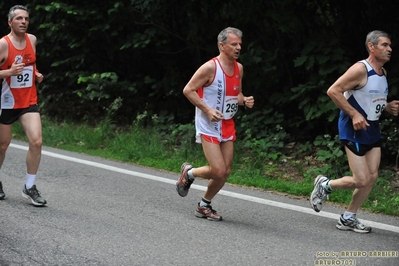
[(2, 194), (34, 195)]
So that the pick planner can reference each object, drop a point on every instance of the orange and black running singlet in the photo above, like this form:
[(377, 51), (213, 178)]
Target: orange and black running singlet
[(19, 91)]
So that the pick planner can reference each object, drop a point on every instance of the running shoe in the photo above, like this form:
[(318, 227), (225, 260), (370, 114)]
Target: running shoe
[(2, 194), (319, 194), (352, 224), (184, 183), (207, 212), (34, 195)]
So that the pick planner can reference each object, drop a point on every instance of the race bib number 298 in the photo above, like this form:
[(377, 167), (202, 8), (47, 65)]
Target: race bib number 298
[(230, 107)]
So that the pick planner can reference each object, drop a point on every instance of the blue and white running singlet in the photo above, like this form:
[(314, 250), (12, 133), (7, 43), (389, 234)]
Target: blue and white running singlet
[(370, 101)]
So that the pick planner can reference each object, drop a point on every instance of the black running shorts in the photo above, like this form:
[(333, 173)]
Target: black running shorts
[(9, 116), (357, 148)]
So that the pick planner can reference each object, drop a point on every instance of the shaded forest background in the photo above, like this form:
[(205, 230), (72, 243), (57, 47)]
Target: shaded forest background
[(129, 58)]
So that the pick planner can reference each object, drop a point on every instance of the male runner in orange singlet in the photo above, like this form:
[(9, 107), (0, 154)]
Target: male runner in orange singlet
[(19, 97)]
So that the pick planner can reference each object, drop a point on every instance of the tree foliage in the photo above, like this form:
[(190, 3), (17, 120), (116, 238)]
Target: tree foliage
[(143, 52)]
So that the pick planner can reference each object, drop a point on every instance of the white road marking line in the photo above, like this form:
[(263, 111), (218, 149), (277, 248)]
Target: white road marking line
[(277, 204)]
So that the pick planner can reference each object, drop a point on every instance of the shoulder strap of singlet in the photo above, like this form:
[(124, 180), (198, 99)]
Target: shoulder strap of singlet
[(8, 40), (27, 39), (28, 42), (370, 69)]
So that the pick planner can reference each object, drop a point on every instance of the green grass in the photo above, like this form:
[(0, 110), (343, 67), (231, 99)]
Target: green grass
[(147, 147)]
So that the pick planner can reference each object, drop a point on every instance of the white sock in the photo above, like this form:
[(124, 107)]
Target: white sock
[(30, 180), (326, 185), (204, 202), (190, 174), (348, 215)]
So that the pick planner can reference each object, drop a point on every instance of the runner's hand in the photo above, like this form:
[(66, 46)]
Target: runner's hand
[(215, 115), (359, 122), (393, 107), (17, 68), (249, 101)]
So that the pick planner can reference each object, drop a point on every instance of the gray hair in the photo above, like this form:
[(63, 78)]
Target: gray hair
[(373, 37), (12, 11), (222, 37)]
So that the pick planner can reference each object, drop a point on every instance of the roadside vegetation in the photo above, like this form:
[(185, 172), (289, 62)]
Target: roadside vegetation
[(266, 164)]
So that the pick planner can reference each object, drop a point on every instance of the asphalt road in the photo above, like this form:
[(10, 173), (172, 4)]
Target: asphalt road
[(102, 212)]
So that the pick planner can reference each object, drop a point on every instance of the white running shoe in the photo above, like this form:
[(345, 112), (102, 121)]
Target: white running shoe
[(352, 224), (319, 194)]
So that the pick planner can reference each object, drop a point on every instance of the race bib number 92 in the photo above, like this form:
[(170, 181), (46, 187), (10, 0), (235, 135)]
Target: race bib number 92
[(24, 80)]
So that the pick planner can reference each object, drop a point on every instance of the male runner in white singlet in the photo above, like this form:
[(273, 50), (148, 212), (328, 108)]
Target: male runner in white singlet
[(215, 91), (361, 94)]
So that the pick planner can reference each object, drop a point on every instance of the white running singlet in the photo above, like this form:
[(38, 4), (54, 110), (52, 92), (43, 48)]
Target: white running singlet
[(222, 95)]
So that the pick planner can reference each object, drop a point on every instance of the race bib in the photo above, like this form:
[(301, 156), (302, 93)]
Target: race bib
[(230, 107), (24, 80), (376, 108)]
